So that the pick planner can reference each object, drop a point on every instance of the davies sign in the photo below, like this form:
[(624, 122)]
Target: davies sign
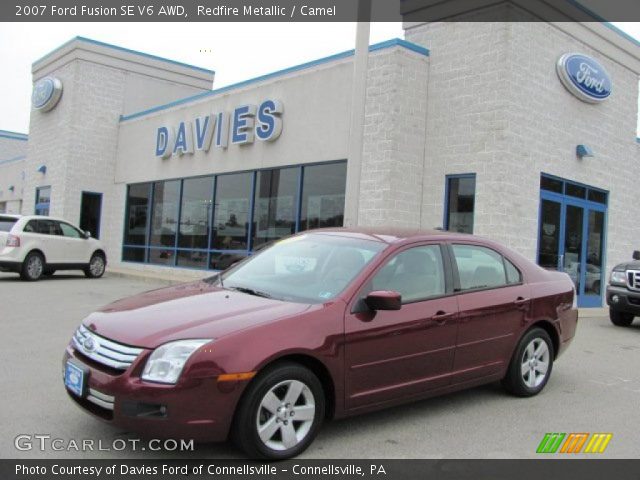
[(240, 127), (584, 77)]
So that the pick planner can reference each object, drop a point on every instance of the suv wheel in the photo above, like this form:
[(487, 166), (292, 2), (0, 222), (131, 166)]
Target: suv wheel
[(620, 319), (96, 266), (32, 267), (281, 413), (531, 364)]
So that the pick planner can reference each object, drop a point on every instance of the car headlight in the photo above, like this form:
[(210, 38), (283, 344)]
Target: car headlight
[(167, 361), (618, 277)]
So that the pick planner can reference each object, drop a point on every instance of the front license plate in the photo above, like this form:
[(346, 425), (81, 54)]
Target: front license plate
[(75, 378)]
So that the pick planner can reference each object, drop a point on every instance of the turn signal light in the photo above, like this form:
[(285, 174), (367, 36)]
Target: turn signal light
[(13, 241)]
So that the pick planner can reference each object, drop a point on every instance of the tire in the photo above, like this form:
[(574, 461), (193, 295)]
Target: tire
[(33, 267), (531, 365), (265, 404), (620, 319), (96, 266)]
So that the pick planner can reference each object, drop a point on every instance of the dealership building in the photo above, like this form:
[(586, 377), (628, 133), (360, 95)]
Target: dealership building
[(524, 132)]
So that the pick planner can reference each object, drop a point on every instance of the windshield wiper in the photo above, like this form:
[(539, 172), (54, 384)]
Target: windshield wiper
[(250, 291)]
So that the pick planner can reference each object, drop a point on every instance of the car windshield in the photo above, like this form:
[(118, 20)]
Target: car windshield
[(6, 223), (310, 268)]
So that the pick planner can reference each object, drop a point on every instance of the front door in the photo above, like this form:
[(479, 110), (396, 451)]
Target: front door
[(397, 354), (90, 211), (571, 237)]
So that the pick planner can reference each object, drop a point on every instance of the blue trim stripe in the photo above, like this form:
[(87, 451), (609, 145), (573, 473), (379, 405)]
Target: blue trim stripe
[(14, 159), (14, 135), (126, 50), (396, 42)]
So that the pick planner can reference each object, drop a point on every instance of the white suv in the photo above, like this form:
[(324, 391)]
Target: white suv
[(34, 245)]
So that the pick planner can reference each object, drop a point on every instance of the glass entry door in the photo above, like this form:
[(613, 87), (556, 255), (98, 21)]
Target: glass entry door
[(571, 237)]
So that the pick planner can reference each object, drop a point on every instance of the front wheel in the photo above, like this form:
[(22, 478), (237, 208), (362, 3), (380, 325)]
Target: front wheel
[(280, 414), (620, 319), (531, 364), (96, 266)]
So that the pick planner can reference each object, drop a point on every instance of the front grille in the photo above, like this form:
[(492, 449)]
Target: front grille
[(633, 279), (101, 350)]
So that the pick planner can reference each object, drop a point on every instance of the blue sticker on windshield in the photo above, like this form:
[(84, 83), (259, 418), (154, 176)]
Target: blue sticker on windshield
[(325, 294)]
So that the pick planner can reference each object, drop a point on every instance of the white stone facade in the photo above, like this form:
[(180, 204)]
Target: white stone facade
[(13, 152)]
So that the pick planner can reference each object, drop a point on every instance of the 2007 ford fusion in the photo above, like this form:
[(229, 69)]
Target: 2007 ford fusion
[(321, 325)]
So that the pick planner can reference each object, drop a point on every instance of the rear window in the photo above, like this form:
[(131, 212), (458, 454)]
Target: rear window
[(7, 223)]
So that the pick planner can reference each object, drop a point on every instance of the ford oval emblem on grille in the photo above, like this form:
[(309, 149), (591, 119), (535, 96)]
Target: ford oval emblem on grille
[(89, 345)]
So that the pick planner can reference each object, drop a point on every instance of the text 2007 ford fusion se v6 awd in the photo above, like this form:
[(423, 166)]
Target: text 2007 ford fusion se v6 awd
[(324, 324)]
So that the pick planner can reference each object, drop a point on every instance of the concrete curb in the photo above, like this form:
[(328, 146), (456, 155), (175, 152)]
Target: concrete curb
[(170, 278)]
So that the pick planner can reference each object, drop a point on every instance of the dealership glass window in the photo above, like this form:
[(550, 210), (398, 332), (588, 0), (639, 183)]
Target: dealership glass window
[(135, 231), (215, 221), (275, 204), (164, 213), (195, 213), (43, 200), (460, 203), (231, 215), (323, 190), (550, 184)]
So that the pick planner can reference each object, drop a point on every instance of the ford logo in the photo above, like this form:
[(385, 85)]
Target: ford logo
[(46, 93), (89, 345), (584, 77)]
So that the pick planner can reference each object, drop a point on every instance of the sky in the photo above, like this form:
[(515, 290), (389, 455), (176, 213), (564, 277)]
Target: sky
[(228, 48)]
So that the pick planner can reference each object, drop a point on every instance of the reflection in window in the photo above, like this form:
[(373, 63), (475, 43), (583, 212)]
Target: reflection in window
[(197, 201), (164, 218), (275, 204), (461, 192), (323, 192), (137, 210), (595, 246), (231, 216)]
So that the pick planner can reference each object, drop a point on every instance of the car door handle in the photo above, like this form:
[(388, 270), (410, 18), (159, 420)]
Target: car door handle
[(521, 302), (441, 317)]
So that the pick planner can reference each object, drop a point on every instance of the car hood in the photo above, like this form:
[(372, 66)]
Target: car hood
[(633, 265), (193, 310)]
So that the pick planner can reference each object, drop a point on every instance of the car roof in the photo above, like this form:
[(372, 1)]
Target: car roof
[(42, 217), (393, 235)]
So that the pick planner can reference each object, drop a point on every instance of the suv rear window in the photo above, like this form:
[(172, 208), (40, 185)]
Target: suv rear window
[(7, 223)]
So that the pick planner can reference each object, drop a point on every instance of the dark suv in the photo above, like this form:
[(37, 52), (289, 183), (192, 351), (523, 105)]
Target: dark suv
[(623, 292)]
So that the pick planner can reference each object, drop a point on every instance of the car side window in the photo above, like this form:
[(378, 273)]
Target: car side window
[(416, 273), (479, 267), (69, 231), (513, 274), (31, 227)]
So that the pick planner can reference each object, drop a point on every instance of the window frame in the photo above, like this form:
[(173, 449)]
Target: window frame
[(39, 206), (456, 272), (447, 189)]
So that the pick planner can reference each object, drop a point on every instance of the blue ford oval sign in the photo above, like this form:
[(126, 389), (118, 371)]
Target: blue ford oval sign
[(46, 93), (584, 77)]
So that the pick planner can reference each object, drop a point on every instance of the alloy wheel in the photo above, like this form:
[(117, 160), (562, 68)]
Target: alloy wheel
[(34, 266), (286, 415), (535, 363), (97, 266)]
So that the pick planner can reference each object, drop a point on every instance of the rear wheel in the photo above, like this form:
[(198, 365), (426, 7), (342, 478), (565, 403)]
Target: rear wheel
[(531, 364), (96, 266), (620, 319), (32, 267), (280, 413)]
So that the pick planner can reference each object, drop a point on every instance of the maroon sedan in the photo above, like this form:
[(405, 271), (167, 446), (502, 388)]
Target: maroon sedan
[(324, 324)]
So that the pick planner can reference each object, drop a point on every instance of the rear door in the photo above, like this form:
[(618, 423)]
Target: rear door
[(51, 240), (493, 307)]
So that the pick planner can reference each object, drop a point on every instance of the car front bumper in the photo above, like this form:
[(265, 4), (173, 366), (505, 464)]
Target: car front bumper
[(627, 301), (200, 409)]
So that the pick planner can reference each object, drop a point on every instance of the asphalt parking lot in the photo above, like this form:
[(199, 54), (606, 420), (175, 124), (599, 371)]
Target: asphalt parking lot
[(595, 387)]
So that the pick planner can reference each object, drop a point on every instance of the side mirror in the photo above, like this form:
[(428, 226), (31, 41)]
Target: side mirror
[(384, 300), (86, 234), (636, 254)]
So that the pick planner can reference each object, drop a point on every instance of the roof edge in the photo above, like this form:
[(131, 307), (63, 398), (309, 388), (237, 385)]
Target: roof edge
[(394, 42), (121, 49)]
